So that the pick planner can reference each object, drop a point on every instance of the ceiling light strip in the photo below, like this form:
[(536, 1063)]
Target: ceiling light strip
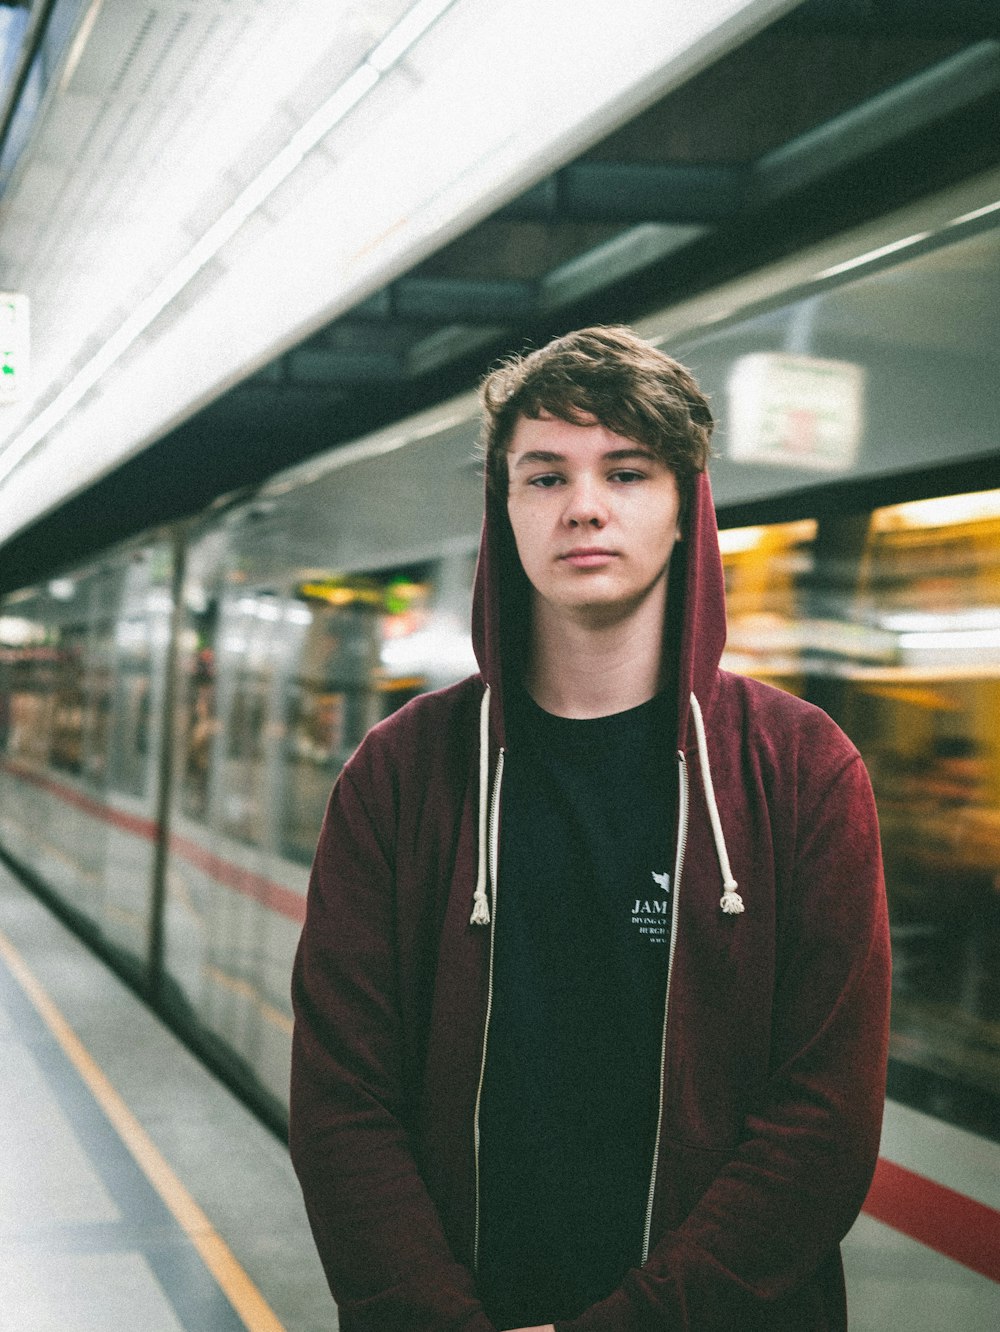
[(393, 47), (873, 255)]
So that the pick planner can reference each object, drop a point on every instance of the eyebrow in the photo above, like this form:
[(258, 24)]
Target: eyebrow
[(615, 455)]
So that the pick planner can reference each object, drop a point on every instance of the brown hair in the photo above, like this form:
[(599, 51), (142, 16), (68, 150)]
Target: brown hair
[(609, 374)]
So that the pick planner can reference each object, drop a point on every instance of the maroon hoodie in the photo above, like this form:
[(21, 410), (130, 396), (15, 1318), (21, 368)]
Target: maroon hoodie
[(776, 1013)]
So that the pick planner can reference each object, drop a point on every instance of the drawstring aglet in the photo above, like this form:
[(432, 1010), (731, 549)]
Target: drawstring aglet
[(731, 902), (481, 910)]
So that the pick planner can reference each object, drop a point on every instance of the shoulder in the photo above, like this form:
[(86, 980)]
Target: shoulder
[(807, 772), (430, 730), (788, 733), (425, 716)]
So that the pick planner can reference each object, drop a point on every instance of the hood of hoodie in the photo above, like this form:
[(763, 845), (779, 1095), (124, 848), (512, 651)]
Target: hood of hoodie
[(694, 629)]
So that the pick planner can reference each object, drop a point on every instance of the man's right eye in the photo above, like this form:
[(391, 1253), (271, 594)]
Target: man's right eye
[(546, 481)]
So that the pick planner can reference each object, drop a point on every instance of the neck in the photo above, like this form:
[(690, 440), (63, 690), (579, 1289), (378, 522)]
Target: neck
[(581, 667)]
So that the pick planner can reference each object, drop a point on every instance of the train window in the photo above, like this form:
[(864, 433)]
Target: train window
[(128, 759), (96, 721), (68, 702), (330, 700), (765, 569), (891, 622), (199, 706), (140, 646), (371, 642), (251, 648), (30, 664), (243, 809), (930, 728)]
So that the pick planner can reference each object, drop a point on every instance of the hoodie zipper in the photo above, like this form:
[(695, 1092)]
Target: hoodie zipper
[(494, 855), (682, 829)]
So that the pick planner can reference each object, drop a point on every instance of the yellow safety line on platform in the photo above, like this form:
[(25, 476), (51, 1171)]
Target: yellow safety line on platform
[(241, 1292)]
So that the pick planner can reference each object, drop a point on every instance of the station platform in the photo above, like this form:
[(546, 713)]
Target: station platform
[(138, 1194)]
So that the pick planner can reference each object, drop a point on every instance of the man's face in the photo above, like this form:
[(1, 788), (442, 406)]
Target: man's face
[(595, 517)]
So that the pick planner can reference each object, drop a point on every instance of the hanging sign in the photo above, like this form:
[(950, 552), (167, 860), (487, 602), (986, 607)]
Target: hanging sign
[(796, 411)]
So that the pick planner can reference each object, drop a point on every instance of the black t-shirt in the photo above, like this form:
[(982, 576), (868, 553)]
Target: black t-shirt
[(571, 1092)]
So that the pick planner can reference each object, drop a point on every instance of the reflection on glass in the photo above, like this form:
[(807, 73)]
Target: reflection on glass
[(198, 713), (339, 686), (98, 700), (891, 621), (28, 668), (66, 754), (369, 643)]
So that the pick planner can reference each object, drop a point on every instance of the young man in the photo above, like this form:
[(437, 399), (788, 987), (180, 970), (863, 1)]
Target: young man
[(591, 999)]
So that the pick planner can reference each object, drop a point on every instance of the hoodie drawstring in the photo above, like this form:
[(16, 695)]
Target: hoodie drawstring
[(481, 906), (731, 902)]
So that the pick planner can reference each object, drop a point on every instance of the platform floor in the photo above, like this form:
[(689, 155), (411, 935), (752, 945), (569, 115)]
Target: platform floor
[(138, 1195)]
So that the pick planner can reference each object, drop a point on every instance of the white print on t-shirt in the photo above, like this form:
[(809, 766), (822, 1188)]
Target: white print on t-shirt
[(649, 914)]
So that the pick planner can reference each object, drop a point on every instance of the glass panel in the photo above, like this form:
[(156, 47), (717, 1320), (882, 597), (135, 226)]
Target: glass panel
[(369, 644), (141, 646), (200, 722), (68, 705), (130, 737), (249, 650), (891, 621), (930, 726), (847, 382), (29, 672), (98, 702), (338, 688)]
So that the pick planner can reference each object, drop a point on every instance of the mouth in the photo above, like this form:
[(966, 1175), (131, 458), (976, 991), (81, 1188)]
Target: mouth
[(588, 557)]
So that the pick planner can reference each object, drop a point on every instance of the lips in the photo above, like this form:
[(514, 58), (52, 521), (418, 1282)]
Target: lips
[(588, 557)]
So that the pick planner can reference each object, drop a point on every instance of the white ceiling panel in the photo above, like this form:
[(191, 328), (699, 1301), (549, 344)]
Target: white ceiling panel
[(65, 132), (39, 191), (117, 35)]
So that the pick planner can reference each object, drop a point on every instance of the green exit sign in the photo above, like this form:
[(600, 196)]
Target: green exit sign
[(13, 344)]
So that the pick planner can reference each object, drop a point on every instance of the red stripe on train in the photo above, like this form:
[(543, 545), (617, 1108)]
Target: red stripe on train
[(132, 823), (961, 1228), (274, 896)]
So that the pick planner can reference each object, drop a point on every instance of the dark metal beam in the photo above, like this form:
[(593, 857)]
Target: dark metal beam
[(323, 367), (633, 192), (463, 301), (447, 300), (966, 19), (901, 110)]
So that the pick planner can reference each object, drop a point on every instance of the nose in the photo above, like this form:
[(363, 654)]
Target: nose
[(585, 506)]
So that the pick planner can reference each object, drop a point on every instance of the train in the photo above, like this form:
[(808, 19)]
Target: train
[(174, 713)]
